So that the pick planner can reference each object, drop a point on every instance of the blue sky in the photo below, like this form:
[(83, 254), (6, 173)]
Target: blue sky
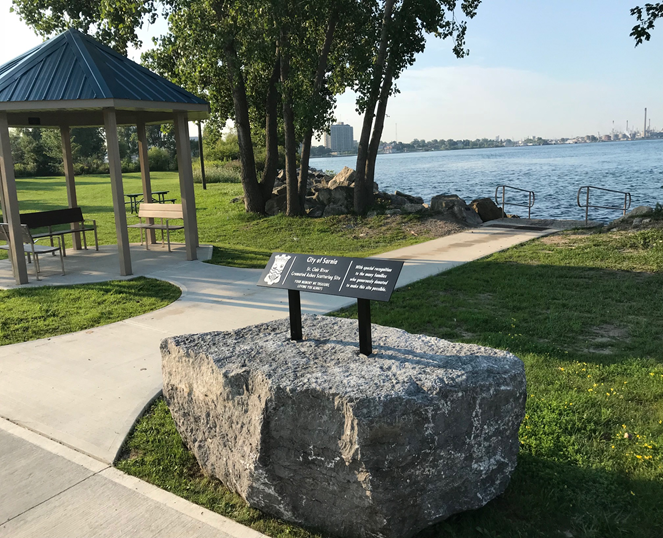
[(543, 68)]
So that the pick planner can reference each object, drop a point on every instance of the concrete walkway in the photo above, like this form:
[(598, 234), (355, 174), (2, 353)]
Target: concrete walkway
[(48, 490), (86, 389)]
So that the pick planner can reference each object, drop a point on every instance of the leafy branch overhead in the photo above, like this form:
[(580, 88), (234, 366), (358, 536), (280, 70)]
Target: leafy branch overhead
[(646, 16)]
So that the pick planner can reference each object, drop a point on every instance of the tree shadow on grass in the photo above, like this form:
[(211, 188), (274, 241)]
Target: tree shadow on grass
[(558, 311), (240, 257), (553, 499)]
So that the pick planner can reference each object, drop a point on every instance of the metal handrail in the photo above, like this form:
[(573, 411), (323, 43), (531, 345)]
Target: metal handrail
[(624, 208), (530, 199)]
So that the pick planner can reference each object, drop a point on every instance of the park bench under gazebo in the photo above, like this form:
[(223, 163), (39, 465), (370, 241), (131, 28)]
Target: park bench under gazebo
[(74, 81)]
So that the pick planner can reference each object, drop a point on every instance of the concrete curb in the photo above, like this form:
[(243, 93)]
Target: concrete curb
[(212, 519)]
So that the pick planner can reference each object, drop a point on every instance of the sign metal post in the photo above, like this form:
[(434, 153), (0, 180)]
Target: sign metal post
[(364, 315), (295, 306)]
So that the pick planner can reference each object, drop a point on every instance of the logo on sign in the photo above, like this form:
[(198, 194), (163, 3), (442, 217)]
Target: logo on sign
[(278, 266)]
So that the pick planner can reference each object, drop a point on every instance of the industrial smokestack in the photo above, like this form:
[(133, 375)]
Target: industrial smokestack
[(644, 132)]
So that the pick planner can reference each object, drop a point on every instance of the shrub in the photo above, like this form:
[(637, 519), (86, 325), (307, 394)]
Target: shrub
[(218, 172), (24, 170), (129, 165), (160, 160)]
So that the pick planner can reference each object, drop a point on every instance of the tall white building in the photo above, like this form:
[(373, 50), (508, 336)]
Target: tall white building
[(342, 136)]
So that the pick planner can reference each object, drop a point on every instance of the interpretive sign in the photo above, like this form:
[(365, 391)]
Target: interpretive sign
[(365, 279), (361, 278)]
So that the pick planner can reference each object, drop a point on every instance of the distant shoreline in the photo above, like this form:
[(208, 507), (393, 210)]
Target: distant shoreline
[(493, 147)]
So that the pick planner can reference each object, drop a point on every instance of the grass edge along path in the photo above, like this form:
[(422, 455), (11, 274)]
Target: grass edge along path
[(574, 308), (32, 313)]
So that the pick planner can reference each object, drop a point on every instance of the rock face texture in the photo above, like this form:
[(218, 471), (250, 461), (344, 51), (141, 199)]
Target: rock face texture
[(356, 446), (487, 209)]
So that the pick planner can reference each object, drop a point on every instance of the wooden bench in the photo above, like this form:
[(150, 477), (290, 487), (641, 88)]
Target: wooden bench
[(158, 211), (58, 217)]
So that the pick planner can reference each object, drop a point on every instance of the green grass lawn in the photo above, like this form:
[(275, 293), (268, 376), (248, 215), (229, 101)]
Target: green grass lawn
[(584, 314), (240, 239), (32, 313)]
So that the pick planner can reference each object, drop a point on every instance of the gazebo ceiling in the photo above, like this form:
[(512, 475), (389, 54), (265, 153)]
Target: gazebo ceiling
[(71, 78)]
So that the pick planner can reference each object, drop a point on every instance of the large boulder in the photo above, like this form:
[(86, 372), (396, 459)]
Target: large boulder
[(281, 189), (316, 212), (487, 209), (640, 211), (334, 209), (413, 208), (411, 199), (467, 215), (343, 196), (398, 201), (446, 202), (345, 178), (276, 205), (324, 196), (315, 433)]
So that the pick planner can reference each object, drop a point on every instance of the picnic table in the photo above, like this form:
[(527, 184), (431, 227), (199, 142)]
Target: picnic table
[(161, 197), (134, 201)]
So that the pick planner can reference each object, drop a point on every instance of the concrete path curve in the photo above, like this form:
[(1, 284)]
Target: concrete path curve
[(86, 389)]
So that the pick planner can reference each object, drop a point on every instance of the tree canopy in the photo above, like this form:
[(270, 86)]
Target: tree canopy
[(274, 67)]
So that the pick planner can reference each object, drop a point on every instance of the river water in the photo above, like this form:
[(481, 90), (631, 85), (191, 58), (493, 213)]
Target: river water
[(554, 173)]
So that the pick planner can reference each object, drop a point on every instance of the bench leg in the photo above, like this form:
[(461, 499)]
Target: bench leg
[(96, 241), (168, 235), (36, 265), (62, 257), (84, 241)]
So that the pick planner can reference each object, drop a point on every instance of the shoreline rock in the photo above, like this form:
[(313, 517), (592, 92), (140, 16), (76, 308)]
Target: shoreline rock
[(329, 196)]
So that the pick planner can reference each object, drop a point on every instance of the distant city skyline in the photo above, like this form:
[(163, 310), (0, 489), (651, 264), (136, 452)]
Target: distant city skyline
[(552, 70)]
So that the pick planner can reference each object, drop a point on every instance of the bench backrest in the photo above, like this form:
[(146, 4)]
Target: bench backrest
[(160, 211), (53, 217)]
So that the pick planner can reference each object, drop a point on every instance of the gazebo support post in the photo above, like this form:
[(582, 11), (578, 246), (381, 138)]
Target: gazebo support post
[(145, 174), (10, 210), (187, 194), (68, 161), (115, 166), (2, 197)]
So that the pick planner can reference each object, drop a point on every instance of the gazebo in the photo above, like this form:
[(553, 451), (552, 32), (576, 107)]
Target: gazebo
[(74, 81)]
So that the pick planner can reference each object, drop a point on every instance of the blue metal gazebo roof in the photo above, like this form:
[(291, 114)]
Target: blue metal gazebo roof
[(75, 72)]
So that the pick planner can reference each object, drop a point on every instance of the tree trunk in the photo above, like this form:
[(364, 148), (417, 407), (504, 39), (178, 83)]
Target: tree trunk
[(293, 208), (379, 125), (319, 79), (364, 189), (253, 199), (271, 134)]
